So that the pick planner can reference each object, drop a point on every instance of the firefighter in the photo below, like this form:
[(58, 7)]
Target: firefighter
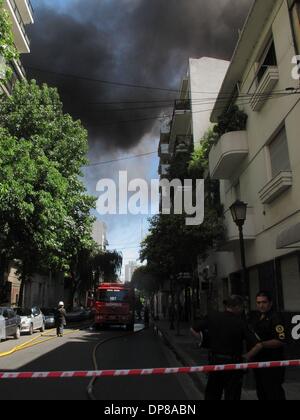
[(227, 333), (60, 319), (271, 335)]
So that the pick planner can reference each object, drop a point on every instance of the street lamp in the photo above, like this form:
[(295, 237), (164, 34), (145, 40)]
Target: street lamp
[(239, 215)]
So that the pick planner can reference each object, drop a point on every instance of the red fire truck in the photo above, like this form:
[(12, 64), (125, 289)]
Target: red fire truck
[(114, 305)]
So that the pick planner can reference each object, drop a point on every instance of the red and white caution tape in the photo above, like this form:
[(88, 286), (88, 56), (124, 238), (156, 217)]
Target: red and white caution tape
[(145, 372)]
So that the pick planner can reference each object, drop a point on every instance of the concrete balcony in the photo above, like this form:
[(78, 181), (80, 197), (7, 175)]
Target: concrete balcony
[(164, 150), (20, 37), (228, 154), (26, 11), (277, 186), (163, 169), (232, 232), (265, 87)]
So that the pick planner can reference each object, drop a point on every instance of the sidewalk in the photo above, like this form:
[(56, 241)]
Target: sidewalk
[(188, 353)]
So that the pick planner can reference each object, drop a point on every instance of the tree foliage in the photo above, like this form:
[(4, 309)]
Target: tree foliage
[(144, 280), (173, 247), (233, 119), (44, 209)]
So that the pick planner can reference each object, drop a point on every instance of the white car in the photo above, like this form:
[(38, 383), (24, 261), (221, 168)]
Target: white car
[(31, 320)]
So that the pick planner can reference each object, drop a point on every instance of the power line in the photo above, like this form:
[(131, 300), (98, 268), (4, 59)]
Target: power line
[(204, 101), (106, 82), (120, 159), (120, 84), (245, 101)]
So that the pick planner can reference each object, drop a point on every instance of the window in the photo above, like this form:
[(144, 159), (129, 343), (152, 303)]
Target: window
[(267, 59), (291, 283), (295, 15), (279, 154)]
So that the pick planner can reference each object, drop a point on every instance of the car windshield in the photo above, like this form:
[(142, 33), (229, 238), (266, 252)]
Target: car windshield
[(112, 296), (23, 312)]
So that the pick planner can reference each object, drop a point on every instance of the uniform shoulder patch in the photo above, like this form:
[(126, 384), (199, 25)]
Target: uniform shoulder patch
[(280, 329)]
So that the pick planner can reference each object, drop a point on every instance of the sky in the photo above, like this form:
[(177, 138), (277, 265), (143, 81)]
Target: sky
[(143, 44)]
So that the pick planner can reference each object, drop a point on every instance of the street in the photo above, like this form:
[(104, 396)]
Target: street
[(74, 352)]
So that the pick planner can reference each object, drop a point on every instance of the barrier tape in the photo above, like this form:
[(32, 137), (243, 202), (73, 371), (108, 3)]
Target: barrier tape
[(147, 372)]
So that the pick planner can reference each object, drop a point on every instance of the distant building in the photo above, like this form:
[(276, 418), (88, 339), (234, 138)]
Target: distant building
[(100, 234), (129, 270)]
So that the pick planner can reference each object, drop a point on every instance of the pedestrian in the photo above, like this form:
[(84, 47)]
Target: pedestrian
[(60, 319), (271, 335), (227, 333)]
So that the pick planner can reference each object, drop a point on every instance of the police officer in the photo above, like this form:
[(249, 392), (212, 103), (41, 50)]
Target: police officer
[(271, 335), (227, 332)]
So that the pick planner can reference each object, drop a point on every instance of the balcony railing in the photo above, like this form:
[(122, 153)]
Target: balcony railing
[(19, 19), (183, 105)]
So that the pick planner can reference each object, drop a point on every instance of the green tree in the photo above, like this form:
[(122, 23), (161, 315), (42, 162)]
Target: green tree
[(45, 211), (90, 265), (144, 280)]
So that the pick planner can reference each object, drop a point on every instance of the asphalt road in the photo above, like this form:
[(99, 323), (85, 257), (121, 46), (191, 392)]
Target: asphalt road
[(74, 352)]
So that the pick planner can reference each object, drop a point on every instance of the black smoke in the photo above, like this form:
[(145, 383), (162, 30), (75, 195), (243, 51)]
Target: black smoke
[(142, 42)]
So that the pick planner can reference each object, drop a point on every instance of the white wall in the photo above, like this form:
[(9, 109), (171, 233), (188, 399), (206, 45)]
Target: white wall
[(206, 77)]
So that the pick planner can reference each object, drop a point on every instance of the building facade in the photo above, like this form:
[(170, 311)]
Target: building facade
[(261, 165), (178, 139), (21, 14), (129, 270), (99, 234)]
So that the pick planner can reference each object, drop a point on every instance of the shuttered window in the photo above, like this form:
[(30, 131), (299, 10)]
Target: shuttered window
[(279, 154), (296, 23), (291, 283)]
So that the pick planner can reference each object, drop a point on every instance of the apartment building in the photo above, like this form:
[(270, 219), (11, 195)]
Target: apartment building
[(191, 113), (99, 234), (183, 133), (261, 165), (21, 13), (129, 271)]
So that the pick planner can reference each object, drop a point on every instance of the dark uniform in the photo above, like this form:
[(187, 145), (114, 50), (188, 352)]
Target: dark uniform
[(269, 382), (226, 334), (60, 321)]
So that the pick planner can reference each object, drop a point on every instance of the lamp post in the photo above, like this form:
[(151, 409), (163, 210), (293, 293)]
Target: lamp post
[(239, 215)]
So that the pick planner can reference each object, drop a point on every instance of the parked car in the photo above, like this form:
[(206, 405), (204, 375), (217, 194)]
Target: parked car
[(49, 316), (12, 323), (32, 320), (78, 315)]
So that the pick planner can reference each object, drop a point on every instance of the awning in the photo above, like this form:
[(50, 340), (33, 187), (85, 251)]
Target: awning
[(289, 238)]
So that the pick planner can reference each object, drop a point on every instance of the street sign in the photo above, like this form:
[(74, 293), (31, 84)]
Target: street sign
[(2, 328)]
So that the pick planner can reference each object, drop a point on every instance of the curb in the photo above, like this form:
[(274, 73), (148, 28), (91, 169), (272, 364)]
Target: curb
[(181, 356)]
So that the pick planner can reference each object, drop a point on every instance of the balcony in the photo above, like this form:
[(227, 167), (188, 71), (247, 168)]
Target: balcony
[(20, 37), (164, 169), (276, 187), (183, 144), (26, 11), (18, 74), (266, 84), (164, 150), (183, 105), (228, 154), (232, 232)]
